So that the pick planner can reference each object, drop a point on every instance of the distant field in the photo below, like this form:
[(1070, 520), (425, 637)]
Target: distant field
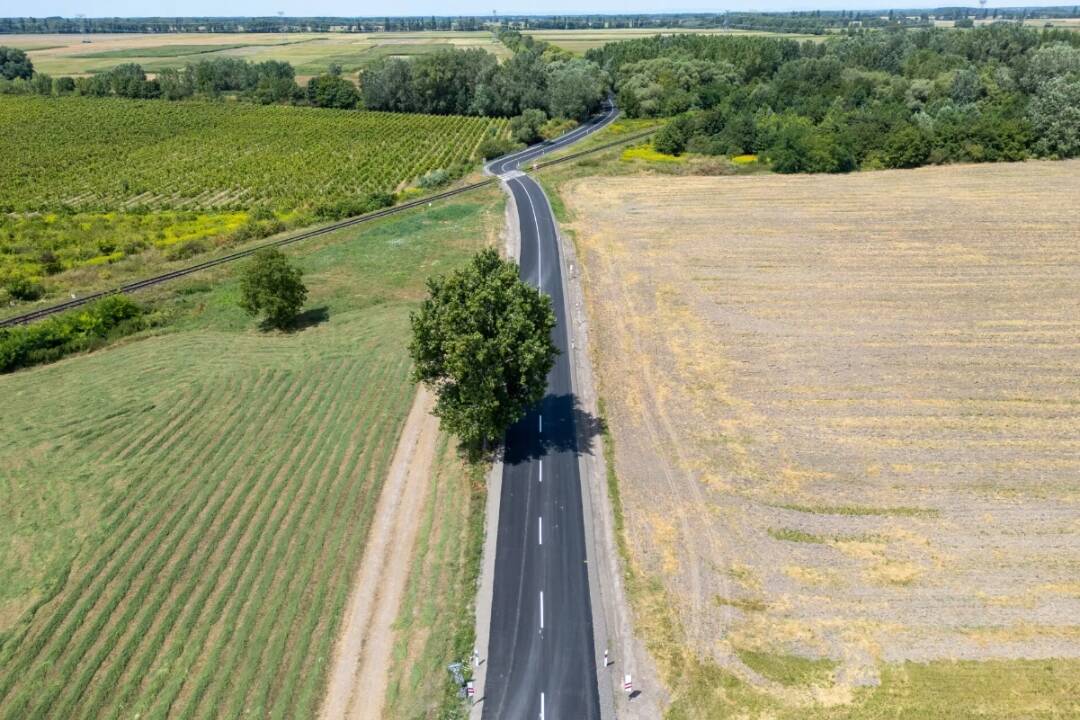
[(183, 513), (113, 179), (309, 53), (846, 426), (580, 41), (157, 52)]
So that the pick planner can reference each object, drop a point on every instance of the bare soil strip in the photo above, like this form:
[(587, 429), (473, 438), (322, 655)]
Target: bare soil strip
[(358, 676)]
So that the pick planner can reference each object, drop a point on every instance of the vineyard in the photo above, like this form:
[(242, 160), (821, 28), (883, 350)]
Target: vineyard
[(111, 154), (186, 522), (96, 189)]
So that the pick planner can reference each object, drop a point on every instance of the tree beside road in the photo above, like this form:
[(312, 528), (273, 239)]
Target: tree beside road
[(482, 342)]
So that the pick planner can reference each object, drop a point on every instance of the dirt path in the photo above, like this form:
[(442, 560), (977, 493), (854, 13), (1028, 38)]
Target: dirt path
[(358, 675)]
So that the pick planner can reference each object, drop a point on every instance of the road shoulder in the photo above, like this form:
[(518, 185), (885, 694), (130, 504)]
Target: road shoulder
[(612, 617)]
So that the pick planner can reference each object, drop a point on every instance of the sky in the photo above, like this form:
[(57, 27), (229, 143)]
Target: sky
[(188, 8)]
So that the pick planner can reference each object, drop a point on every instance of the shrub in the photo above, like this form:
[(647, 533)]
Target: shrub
[(186, 250), (435, 178), (906, 148), (353, 207), (24, 288), (331, 91), (50, 263), (84, 329), (672, 138), (555, 127), (494, 147)]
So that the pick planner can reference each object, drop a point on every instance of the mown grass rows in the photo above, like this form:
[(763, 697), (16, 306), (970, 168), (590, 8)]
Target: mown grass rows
[(223, 571), (98, 154)]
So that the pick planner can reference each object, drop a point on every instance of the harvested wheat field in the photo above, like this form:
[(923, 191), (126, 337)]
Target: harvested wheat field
[(846, 423)]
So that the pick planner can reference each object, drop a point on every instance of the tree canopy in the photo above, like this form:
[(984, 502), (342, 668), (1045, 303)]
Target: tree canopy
[(332, 91), (863, 99), (14, 64), (482, 341), (472, 82), (272, 287)]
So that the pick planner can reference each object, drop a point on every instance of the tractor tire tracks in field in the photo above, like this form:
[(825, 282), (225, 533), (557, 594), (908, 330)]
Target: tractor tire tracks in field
[(358, 674)]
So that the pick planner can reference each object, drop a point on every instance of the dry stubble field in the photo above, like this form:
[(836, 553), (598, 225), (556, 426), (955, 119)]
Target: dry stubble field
[(846, 420)]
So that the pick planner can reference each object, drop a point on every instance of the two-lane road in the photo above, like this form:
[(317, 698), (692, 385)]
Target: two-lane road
[(541, 661)]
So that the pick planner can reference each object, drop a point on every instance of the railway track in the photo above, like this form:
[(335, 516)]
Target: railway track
[(137, 285)]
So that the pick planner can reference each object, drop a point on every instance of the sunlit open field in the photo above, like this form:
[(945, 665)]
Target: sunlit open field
[(183, 513), (846, 421), (309, 53)]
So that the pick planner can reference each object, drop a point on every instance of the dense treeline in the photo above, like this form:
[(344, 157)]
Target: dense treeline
[(264, 82), (874, 99), (472, 82), (813, 21)]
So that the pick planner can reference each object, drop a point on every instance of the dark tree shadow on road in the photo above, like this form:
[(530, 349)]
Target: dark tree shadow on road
[(566, 427)]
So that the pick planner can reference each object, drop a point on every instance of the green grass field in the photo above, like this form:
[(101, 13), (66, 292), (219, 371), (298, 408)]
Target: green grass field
[(185, 510), (87, 184)]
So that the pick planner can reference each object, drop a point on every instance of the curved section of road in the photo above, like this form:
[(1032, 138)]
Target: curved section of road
[(541, 661)]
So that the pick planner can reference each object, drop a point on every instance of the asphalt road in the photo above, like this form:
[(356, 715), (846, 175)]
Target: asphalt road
[(541, 662)]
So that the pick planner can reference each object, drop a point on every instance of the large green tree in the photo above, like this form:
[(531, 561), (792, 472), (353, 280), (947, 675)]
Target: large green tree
[(482, 341), (14, 64), (272, 287)]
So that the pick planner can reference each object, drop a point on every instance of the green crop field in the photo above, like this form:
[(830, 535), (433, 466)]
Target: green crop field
[(163, 51), (86, 184), (183, 512)]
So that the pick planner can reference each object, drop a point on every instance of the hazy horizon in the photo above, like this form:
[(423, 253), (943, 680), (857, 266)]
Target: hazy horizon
[(339, 8)]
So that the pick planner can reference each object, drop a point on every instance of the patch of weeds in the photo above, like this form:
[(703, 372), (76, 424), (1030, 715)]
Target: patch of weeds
[(789, 670), (649, 154), (752, 605), (789, 535), (194, 288), (861, 510)]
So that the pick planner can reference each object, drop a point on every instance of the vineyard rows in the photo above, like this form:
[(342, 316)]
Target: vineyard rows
[(244, 487), (105, 154)]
